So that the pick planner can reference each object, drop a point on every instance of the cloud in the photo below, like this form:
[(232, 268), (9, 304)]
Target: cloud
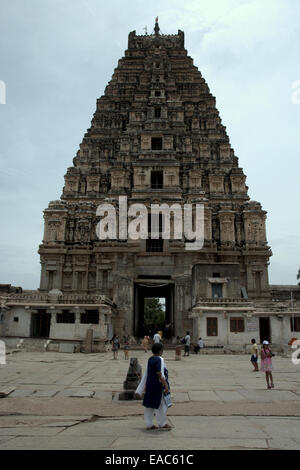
[(56, 59)]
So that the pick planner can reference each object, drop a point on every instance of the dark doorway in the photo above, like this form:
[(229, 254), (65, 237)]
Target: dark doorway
[(40, 324), (264, 329), (163, 291)]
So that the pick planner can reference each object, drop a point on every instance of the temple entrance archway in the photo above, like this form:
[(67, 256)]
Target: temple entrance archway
[(40, 324), (163, 290)]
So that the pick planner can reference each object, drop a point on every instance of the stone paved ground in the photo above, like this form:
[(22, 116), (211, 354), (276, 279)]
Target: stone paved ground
[(69, 401)]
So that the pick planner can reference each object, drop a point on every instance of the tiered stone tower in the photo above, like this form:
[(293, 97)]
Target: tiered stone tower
[(157, 137)]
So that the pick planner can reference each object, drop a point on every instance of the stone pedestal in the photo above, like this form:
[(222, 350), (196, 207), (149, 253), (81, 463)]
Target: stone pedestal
[(178, 350), (88, 346)]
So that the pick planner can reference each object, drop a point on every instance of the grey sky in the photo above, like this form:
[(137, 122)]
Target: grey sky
[(57, 56)]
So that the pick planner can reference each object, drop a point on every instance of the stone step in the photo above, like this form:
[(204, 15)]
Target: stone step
[(32, 344), (6, 390)]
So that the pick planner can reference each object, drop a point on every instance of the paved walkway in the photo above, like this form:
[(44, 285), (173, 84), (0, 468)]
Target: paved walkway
[(70, 401)]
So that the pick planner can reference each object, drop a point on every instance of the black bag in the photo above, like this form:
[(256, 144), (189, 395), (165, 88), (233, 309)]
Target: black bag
[(183, 341)]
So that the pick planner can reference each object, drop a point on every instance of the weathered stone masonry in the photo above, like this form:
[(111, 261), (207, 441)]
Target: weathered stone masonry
[(156, 137)]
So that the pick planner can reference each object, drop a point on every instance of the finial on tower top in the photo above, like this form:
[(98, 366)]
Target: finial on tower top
[(156, 27)]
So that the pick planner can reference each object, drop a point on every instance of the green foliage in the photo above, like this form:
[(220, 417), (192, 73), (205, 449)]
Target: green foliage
[(154, 314)]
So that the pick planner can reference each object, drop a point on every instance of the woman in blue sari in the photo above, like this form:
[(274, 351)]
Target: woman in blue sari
[(154, 383)]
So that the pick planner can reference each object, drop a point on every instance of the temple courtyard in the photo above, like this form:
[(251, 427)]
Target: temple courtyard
[(70, 401)]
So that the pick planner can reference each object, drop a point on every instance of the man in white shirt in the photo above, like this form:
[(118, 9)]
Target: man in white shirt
[(187, 344), (157, 338)]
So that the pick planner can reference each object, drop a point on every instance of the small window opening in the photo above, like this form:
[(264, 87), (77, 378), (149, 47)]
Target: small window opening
[(156, 143), (157, 112), (157, 180)]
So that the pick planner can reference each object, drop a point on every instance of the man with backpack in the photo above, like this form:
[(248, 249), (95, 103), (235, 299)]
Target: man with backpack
[(187, 342)]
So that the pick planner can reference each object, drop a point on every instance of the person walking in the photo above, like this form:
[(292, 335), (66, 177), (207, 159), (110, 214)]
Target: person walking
[(145, 343), (266, 363), (254, 355), (187, 344), (126, 349), (157, 337), (115, 346), (155, 384)]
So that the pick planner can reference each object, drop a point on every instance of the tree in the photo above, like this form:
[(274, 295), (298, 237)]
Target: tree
[(154, 314)]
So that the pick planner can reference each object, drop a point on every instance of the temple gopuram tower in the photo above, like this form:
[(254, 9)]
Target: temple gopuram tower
[(157, 137)]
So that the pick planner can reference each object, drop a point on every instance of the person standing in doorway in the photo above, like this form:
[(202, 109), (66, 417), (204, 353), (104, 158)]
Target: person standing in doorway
[(254, 355), (187, 344), (266, 363), (155, 384)]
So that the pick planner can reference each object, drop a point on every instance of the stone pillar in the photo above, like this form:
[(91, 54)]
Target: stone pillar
[(84, 280), (104, 319), (44, 276), (57, 282), (75, 280), (208, 224), (53, 322), (225, 315), (77, 323), (3, 311), (183, 302), (89, 340), (195, 327)]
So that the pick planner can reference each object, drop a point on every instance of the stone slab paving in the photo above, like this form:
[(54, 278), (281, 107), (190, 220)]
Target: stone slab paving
[(129, 434), (198, 395), (229, 396), (46, 393), (22, 392), (219, 403), (76, 392), (271, 395)]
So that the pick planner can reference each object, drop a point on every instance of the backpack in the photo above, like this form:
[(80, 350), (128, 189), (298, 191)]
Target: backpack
[(183, 341)]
